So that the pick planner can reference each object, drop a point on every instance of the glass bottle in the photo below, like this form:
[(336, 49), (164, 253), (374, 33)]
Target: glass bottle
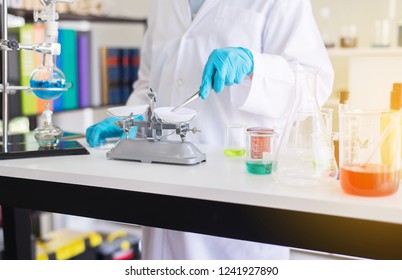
[(47, 135), (343, 106), (396, 105), (343, 100), (326, 27)]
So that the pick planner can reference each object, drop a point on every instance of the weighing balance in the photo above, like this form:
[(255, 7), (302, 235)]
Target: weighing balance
[(154, 147)]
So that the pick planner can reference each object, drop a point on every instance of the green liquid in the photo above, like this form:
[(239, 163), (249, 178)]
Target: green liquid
[(255, 167), (234, 153)]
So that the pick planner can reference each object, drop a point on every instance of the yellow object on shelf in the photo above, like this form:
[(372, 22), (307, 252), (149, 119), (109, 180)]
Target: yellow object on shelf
[(395, 105), (66, 244), (114, 235)]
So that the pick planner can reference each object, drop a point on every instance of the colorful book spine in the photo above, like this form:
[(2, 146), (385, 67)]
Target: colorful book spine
[(39, 35), (58, 102), (104, 76), (125, 85), (84, 71), (114, 75), (69, 67), (27, 66)]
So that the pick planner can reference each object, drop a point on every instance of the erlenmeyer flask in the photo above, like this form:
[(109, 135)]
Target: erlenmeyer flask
[(305, 154)]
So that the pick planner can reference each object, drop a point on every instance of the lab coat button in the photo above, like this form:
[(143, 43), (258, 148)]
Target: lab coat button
[(179, 82)]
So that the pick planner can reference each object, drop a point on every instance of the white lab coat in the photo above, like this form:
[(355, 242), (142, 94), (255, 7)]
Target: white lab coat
[(281, 34)]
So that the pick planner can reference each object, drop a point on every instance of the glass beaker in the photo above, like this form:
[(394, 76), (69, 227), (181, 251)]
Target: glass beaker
[(260, 147), (234, 140), (369, 146)]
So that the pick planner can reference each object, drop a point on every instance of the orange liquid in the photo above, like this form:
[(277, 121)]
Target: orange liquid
[(368, 180)]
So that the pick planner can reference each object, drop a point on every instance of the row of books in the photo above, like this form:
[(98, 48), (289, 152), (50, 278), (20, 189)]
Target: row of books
[(119, 67), (118, 70), (20, 66)]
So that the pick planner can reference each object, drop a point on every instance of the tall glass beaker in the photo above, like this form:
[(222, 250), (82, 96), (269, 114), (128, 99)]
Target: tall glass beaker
[(306, 153)]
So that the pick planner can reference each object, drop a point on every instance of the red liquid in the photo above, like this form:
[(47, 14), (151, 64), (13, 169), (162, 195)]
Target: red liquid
[(369, 180), (259, 145)]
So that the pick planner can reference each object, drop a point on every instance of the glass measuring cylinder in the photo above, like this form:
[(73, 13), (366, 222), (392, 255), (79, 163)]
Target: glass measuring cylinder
[(260, 145), (369, 146)]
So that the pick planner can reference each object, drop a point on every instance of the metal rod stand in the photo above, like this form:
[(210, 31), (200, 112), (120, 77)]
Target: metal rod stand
[(4, 33)]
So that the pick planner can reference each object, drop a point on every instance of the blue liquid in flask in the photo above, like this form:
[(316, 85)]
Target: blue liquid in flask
[(48, 94)]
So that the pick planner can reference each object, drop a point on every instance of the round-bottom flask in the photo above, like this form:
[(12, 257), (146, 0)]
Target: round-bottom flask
[(47, 81), (47, 135)]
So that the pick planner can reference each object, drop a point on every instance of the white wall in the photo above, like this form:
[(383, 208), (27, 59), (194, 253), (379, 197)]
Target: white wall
[(128, 8), (362, 13)]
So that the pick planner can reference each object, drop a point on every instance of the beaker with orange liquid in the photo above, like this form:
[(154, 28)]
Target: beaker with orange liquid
[(369, 146)]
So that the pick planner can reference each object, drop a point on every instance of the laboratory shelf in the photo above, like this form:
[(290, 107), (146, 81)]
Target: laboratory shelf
[(28, 16), (352, 52)]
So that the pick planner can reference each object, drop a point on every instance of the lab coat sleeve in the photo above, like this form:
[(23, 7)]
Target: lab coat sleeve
[(291, 40)]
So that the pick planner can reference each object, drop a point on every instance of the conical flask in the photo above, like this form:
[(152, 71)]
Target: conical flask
[(305, 155)]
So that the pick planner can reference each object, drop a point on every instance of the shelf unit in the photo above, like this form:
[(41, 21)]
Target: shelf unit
[(28, 15), (354, 52), (97, 114), (82, 116)]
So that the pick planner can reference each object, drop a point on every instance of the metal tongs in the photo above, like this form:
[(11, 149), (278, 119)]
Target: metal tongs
[(188, 100)]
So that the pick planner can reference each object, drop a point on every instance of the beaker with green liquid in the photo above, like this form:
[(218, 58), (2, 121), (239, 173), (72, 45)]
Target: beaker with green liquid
[(234, 140)]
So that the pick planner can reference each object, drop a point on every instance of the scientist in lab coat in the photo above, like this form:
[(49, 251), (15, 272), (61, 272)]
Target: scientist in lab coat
[(242, 55)]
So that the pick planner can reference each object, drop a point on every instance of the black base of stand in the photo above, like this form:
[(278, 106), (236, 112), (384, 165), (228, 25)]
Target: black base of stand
[(22, 146)]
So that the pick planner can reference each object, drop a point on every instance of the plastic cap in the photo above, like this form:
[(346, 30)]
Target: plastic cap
[(56, 49), (396, 96), (343, 96)]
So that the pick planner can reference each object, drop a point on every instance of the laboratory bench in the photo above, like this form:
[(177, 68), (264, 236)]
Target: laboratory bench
[(217, 197)]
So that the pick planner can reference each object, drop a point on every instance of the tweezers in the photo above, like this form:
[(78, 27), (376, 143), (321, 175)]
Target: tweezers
[(188, 100)]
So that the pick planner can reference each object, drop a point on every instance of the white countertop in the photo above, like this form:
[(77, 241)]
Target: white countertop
[(220, 178)]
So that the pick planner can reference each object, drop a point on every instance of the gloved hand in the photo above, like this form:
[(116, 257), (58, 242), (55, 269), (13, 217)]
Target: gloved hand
[(225, 67), (96, 134)]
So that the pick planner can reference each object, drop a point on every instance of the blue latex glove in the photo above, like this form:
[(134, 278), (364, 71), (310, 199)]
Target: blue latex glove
[(96, 134), (225, 67)]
